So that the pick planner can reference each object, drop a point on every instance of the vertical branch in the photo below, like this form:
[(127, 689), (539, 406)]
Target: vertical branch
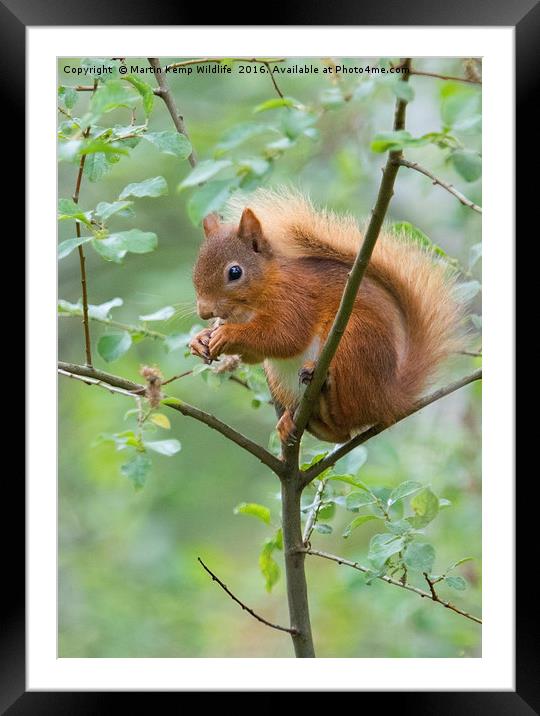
[(164, 92), (294, 552), (82, 259), (292, 479)]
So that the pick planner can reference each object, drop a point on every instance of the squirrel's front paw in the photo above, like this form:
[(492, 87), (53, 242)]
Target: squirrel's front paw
[(221, 341), (198, 345)]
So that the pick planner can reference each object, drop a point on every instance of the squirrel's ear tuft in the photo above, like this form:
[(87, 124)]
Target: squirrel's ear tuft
[(250, 230), (210, 224)]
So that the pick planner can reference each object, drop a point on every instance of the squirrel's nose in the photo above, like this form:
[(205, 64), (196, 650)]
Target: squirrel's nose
[(204, 309)]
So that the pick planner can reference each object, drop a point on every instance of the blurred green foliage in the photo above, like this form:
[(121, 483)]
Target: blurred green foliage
[(129, 581)]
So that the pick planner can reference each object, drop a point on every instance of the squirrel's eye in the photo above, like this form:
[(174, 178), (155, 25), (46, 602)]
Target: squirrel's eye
[(234, 273)]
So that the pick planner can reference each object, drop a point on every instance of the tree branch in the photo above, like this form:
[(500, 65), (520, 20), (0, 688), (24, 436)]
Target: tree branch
[(107, 380), (217, 60), (354, 280), (165, 94), (244, 607), (346, 448), (431, 596), (82, 259), (470, 80), (449, 187)]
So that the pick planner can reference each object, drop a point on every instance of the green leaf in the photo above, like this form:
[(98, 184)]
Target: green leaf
[(156, 186), (403, 90), (175, 341), (111, 249), (68, 96), (456, 583), (467, 163), (399, 527), (68, 151), (350, 480), (355, 500), (241, 133), (256, 166), (208, 198), (458, 103), (203, 171), (161, 420), (268, 564), (420, 556), (323, 528), (332, 98), (68, 209), (164, 447), (409, 487), (136, 469), (161, 315), (110, 96), (96, 166), (104, 210), (357, 522), (351, 463), (252, 508), (104, 309), (426, 507), (392, 141), (94, 145), (112, 346), (274, 103), (170, 142), (67, 246), (469, 125), (136, 241), (383, 546), (296, 122), (145, 90)]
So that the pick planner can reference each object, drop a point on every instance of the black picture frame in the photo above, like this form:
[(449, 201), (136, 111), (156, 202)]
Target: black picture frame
[(15, 16)]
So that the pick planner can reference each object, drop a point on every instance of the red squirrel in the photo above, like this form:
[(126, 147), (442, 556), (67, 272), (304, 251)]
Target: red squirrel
[(275, 278)]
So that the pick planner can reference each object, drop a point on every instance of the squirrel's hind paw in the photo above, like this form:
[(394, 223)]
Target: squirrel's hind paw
[(286, 428), (305, 374)]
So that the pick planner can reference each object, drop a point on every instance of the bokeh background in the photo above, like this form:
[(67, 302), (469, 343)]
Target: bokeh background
[(129, 581)]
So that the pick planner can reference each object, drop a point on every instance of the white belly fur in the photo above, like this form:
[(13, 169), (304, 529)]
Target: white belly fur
[(285, 371)]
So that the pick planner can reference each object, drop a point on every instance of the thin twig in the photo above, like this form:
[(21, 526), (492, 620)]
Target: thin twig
[(82, 259), (280, 93), (245, 607), (445, 185), (346, 448), (314, 513), (395, 582), (165, 93), (104, 379), (177, 377), (123, 326), (218, 60), (470, 80), (354, 280)]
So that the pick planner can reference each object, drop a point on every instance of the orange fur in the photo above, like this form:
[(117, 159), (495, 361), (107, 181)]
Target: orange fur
[(295, 262)]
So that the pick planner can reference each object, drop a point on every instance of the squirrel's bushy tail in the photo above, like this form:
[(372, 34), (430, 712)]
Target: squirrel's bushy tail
[(421, 284)]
